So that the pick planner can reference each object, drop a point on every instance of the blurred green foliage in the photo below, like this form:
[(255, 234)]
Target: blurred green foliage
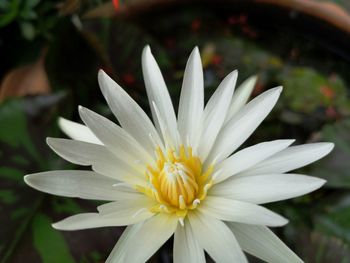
[(314, 106), (317, 90), (49, 243), (34, 20)]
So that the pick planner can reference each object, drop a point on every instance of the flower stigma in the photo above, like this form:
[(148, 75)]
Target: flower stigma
[(177, 182)]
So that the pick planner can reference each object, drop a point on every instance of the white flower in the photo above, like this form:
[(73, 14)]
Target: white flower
[(178, 176)]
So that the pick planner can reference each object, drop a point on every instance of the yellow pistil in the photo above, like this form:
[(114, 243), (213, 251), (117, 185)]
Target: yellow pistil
[(177, 182)]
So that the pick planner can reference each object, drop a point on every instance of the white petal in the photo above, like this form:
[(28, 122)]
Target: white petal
[(248, 157), (125, 191), (241, 96), (131, 117), (128, 206), (158, 92), (263, 243), (116, 139), (267, 188), (216, 238), (79, 152), (94, 220), (118, 252), (168, 139), (150, 237), (191, 100), (290, 159), (215, 112), (101, 160), (83, 184), (243, 124), (242, 212), (186, 247), (77, 131), (84, 153)]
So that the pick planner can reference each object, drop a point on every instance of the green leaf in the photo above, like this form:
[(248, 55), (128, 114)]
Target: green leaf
[(336, 221), (8, 196), (49, 242), (11, 173), (320, 248), (9, 11), (65, 205), (32, 3), (335, 168), (321, 91), (28, 30), (13, 128), (20, 155)]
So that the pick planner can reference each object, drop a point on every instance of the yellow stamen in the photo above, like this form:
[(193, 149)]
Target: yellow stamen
[(177, 183)]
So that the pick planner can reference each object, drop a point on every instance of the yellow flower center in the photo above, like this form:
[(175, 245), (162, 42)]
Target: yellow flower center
[(177, 182)]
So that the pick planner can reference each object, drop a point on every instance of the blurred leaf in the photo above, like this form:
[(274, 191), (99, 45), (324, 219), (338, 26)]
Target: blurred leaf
[(11, 173), (28, 235), (306, 90), (22, 142), (69, 7), (13, 130), (33, 106), (316, 247), (335, 222), (28, 13), (26, 80), (66, 206), (8, 197), (49, 242), (31, 3), (335, 168), (22, 155), (20, 207), (28, 30), (9, 10)]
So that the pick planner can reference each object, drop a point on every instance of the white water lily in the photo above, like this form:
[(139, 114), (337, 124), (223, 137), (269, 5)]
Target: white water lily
[(183, 175)]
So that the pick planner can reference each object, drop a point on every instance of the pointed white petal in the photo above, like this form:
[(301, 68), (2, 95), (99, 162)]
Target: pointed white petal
[(241, 96), (79, 152), (77, 131), (215, 112), (267, 188), (243, 124), (248, 157), (290, 159), (101, 160), (242, 212), (168, 139), (116, 139), (83, 184), (186, 247), (216, 238), (158, 92), (263, 243), (191, 100), (94, 220), (84, 153), (150, 237), (118, 252), (131, 117)]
